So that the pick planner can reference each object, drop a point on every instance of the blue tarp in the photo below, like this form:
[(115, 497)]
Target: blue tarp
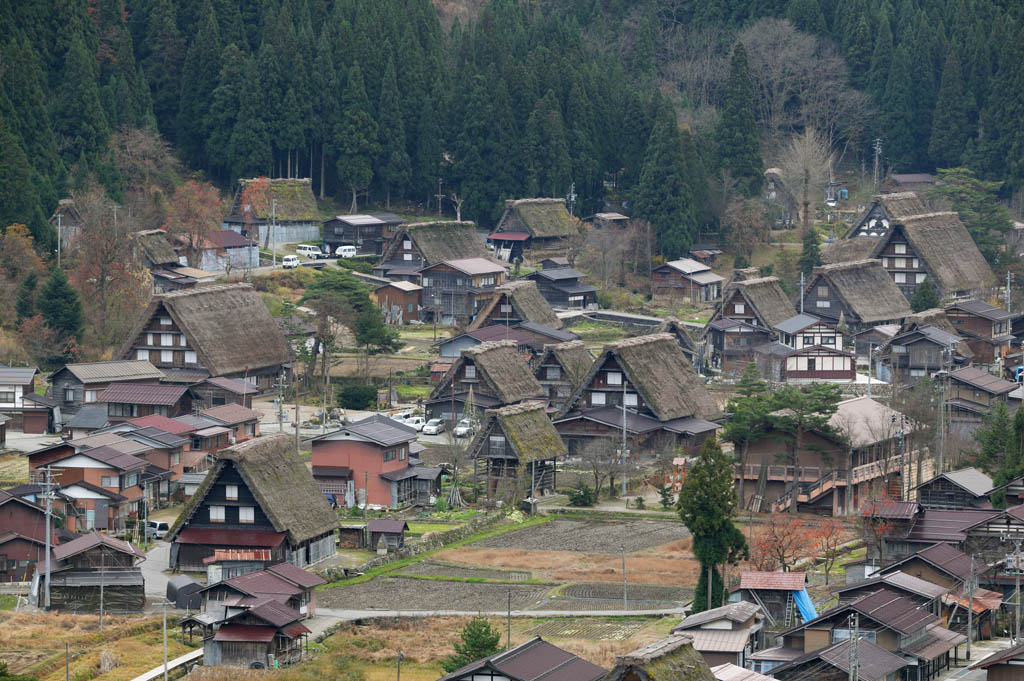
[(804, 605)]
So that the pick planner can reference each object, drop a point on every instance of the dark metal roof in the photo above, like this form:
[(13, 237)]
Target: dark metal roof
[(385, 432), (873, 663), (231, 414), (331, 472), (893, 611), (892, 510), (945, 557), (117, 370), (900, 581), (734, 612), (88, 418), (41, 400), (1012, 653), (91, 541), (612, 416), (158, 435), (575, 288), (218, 537), (263, 582), (936, 525), (296, 575), (983, 380), (233, 385), (531, 661), (559, 273), (140, 393), (275, 613), (244, 633), (109, 456), (388, 526), (797, 323), (17, 375), (558, 334), (400, 474), (977, 307)]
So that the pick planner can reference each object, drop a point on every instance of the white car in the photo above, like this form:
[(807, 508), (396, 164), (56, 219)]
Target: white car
[(309, 251), (416, 423), (434, 427), (345, 251), (465, 428), (290, 262), (400, 417)]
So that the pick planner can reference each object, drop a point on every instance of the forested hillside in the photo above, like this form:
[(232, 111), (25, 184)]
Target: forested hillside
[(671, 105)]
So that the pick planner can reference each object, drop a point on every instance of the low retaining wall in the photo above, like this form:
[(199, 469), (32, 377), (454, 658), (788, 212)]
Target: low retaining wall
[(439, 540)]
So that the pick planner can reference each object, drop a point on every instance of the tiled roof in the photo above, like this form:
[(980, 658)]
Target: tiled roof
[(92, 540), (111, 457), (719, 640), (231, 414), (17, 375), (893, 611), (233, 385), (774, 581), (947, 558), (140, 393), (532, 661), (296, 575), (163, 423), (387, 526), (119, 370)]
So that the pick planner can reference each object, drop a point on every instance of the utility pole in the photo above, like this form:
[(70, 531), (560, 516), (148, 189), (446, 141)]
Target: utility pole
[(164, 606), (508, 622), (280, 402), (48, 490), (398, 660), (854, 646), (103, 567), (439, 196), (624, 452), (295, 382), (1016, 568), (970, 608), (801, 293), (60, 233), (878, 155), (273, 231), (625, 601), (1009, 278), (570, 198), (871, 350)]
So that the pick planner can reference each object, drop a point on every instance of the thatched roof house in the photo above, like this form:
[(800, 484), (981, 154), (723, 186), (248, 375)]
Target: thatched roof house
[(947, 251), (540, 218), (761, 301), (676, 328), (287, 200), (883, 211), (515, 302), (848, 250), (155, 248), (527, 430), (861, 291), (514, 436), (672, 658), (562, 368), (433, 242), (493, 372), (288, 513)]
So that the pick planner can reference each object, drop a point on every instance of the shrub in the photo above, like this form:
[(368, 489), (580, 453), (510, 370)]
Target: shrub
[(740, 261), (640, 503), (581, 495), (357, 396), (356, 265)]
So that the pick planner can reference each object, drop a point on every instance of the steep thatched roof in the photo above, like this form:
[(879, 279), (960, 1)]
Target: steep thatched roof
[(294, 198), (765, 296), (672, 658), (155, 245), (543, 218), (500, 366), (573, 357), (660, 372), (866, 288), (848, 250), (528, 430), (280, 481), (888, 208), (228, 326), (529, 304), (948, 251), (936, 318), (437, 241), (678, 329)]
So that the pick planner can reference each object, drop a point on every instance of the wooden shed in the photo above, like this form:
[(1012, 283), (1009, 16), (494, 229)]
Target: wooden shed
[(392, 531)]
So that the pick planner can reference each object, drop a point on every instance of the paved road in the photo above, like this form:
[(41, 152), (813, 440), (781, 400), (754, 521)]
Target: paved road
[(979, 651), (157, 560), (29, 443)]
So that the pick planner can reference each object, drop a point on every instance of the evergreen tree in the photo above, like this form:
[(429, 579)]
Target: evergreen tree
[(925, 297), (749, 416), (976, 201), (707, 506), (61, 308), (996, 440), (1002, 144), (477, 640), (900, 113), (739, 149), (222, 115), (357, 137), (163, 66), (327, 104), (664, 196), (950, 126), (292, 133), (429, 149), (78, 115), (394, 167), (25, 306), (810, 256), (17, 199), (799, 410), (858, 53), (199, 79), (806, 16), (249, 147), (549, 165), (881, 58)]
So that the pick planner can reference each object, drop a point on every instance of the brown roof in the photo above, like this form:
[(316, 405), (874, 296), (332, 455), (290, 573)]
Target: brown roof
[(155, 245), (293, 200), (280, 481), (773, 581), (168, 425), (532, 661), (501, 366), (848, 250), (731, 672), (162, 394), (387, 526), (296, 575), (946, 558), (866, 288), (275, 613), (91, 541), (874, 663), (660, 372), (111, 457), (232, 385), (572, 356), (1011, 653), (893, 510), (765, 296), (117, 370), (244, 633), (526, 300), (893, 611), (231, 414), (527, 429), (227, 325), (948, 251), (983, 380), (437, 241), (543, 218)]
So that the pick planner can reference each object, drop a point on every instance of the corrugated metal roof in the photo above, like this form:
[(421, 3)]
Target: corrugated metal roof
[(734, 612), (971, 479), (263, 582), (377, 430), (773, 581), (983, 380), (936, 525), (947, 558), (231, 414), (388, 526), (92, 540), (111, 457), (731, 672), (88, 418), (233, 385), (296, 575), (719, 640), (893, 611), (558, 334), (914, 584), (161, 422), (161, 437), (472, 266), (141, 393), (1012, 653), (17, 375), (797, 323), (531, 661), (120, 370), (687, 266), (244, 633), (278, 614), (938, 640), (874, 663), (892, 510), (984, 310)]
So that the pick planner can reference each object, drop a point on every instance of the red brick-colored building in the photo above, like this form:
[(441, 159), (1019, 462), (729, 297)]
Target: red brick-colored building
[(22, 538)]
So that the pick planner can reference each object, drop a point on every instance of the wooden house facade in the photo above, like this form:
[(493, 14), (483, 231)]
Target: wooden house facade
[(687, 280), (923, 351), (986, 329), (371, 234), (97, 571), (514, 303), (455, 291), (533, 224), (259, 495), (561, 368), (131, 400), (517, 450), (421, 244), (400, 300), (79, 385), (859, 294), (743, 320), (817, 351), (964, 489), (972, 394), (22, 537), (561, 287)]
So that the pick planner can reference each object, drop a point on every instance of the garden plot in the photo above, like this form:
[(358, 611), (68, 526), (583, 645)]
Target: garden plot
[(641, 592), (396, 593), (590, 536), (587, 629), (458, 572)]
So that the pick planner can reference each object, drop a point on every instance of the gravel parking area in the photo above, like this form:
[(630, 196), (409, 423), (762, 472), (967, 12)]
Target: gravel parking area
[(440, 570), (590, 536), (395, 593)]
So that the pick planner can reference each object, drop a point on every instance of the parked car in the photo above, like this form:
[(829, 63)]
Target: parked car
[(157, 529), (313, 252), (465, 428), (290, 262), (416, 423), (434, 427), (400, 417), (345, 251)]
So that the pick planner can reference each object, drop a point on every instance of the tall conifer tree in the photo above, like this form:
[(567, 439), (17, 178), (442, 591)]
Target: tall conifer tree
[(198, 81), (950, 129), (739, 149), (357, 137), (394, 166)]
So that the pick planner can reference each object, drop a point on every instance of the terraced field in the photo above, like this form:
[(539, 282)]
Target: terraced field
[(590, 536)]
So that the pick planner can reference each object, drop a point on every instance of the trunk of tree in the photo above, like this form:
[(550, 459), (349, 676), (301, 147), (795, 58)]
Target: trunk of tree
[(323, 154), (311, 162), (743, 475), (352, 208), (387, 196), (795, 489)]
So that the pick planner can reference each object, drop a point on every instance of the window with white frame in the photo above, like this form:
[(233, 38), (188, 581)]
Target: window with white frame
[(182, 341), (69, 394), (109, 481), (920, 278), (175, 458), (916, 263), (597, 399), (900, 277), (505, 307), (167, 339), (406, 243), (7, 396), (91, 395), (487, 281), (165, 321), (167, 356), (630, 399), (216, 514), (552, 373), (190, 357), (614, 378), (407, 256), (426, 282), (823, 303), (131, 480), (149, 339), (142, 354), (246, 514), (901, 263), (739, 308), (899, 249), (823, 291), (231, 492), (469, 371)]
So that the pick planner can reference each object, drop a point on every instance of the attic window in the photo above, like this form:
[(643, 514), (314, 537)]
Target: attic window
[(470, 371), (739, 308), (920, 278), (165, 321), (597, 399), (630, 399), (823, 291), (899, 249), (407, 256), (406, 243), (901, 277), (614, 378)]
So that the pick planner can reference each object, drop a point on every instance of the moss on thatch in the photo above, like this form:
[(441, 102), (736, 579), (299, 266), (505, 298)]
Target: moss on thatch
[(526, 300), (294, 198), (282, 484), (542, 218), (227, 325), (528, 430), (948, 251), (573, 357), (439, 241), (765, 297), (672, 658), (848, 250), (673, 326), (156, 247), (501, 369), (867, 289)]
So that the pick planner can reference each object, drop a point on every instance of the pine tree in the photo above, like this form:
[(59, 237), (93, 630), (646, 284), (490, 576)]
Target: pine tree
[(806, 16), (357, 137), (17, 199), (550, 168), (707, 506), (881, 58), (950, 127), (225, 101), (858, 53), (899, 111), (995, 438), (1003, 117), (477, 640), (327, 104), (925, 297), (60, 306), (166, 54), (78, 115), (25, 306), (199, 79), (249, 147), (739, 149), (394, 166), (291, 137), (429, 149), (664, 196), (810, 256)]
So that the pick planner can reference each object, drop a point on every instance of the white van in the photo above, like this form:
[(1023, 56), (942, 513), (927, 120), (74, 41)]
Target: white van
[(309, 251), (290, 261), (345, 252)]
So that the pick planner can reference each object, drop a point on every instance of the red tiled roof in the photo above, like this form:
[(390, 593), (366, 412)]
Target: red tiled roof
[(983, 600), (217, 537), (231, 414), (773, 581), (238, 554), (245, 633), (163, 394), (295, 629), (163, 423), (296, 575)]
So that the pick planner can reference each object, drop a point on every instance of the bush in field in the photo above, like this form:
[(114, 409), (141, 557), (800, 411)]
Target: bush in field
[(478, 639), (581, 495), (357, 396)]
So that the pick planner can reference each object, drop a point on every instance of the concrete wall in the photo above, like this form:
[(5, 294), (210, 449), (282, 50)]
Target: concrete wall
[(291, 233)]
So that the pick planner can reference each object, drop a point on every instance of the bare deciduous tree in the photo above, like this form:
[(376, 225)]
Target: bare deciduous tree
[(745, 225), (806, 163), (603, 254)]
